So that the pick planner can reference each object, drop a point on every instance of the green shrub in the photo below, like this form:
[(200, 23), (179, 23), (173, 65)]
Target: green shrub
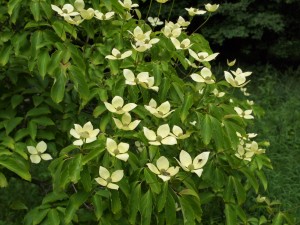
[(135, 133)]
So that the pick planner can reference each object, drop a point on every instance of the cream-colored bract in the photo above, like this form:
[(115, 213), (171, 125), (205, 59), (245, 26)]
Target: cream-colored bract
[(117, 150), (85, 134), (171, 30), (117, 55), (162, 1), (38, 153), (178, 133), (125, 122), (184, 44), (162, 136), (117, 105), (202, 56), (194, 166), (142, 79), (238, 79), (163, 169), (101, 16), (161, 111), (155, 21), (66, 10), (108, 180)]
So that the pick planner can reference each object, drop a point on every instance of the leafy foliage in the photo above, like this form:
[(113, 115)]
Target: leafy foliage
[(57, 76)]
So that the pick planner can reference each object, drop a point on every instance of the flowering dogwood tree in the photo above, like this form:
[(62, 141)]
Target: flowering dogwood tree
[(159, 137)]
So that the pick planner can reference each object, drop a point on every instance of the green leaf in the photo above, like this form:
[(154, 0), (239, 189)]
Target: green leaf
[(146, 208), (35, 9), (3, 181), (170, 210), (75, 167), (12, 4), (187, 104), (32, 128), (53, 197), (278, 219), (228, 192), (79, 78), (164, 88), (251, 178), (187, 211), (239, 190), (58, 88), (99, 206), (4, 54), (53, 217), (115, 202), (162, 197), (230, 214), (151, 179), (16, 165), (133, 202), (260, 174), (60, 29), (43, 110), (206, 129), (99, 110), (189, 192), (76, 200), (16, 100), (12, 124), (43, 62), (44, 121)]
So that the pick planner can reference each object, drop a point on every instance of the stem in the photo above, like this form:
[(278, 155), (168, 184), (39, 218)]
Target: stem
[(149, 9), (171, 10), (202, 24), (159, 10)]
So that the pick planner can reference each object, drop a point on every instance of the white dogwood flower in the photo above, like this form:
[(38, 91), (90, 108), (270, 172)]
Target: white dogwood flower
[(116, 54), (193, 11), (205, 76), (211, 8), (162, 136), (203, 56), (184, 44), (163, 169), (101, 16), (131, 79), (85, 134), (127, 4), (217, 93), (162, 1), (253, 147), (178, 133), (139, 35), (194, 166), (171, 30), (74, 20), (37, 153), (66, 10), (155, 21), (125, 122), (182, 22), (239, 78), (117, 150), (161, 111), (244, 114), (117, 105), (108, 180), (244, 154), (150, 84)]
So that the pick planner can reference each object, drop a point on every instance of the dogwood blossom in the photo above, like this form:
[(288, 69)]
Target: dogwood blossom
[(211, 8), (182, 22), (116, 54), (202, 56), (131, 79), (108, 180), (75, 20), (205, 76), (117, 150), (239, 79), (117, 105), (194, 166), (162, 136), (155, 21), (127, 4), (66, 10), (163, 169), (253, 147), (161, 111), (193, 11), (162, 1), (171, 30), (101, 16), (244, 90), (125, 122), (178, 133), (244, 114), (139, 35), (244, 154), (87, 14), (231, 63), (85, 134), (37, 153), (184, 44), (217, 93), (150, 84)]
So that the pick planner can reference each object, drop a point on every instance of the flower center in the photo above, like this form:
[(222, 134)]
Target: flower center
[(182, 46), (119, 108), (84, 134), (160, 113), (191, 167), (116, 151), (136, 80), (109, 180), (165, 173), (158, 138), (65, 11), (118, 55)]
